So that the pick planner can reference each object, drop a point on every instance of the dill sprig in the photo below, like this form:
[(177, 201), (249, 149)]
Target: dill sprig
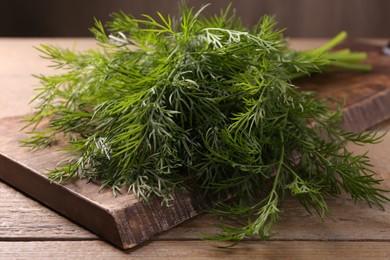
[(205, 103)]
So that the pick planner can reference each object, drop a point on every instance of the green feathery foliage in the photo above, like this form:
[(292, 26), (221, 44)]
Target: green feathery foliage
[(206, 101)]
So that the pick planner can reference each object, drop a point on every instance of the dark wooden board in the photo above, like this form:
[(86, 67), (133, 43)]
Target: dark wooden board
[(126, 222), (123, 220), (366, 95)]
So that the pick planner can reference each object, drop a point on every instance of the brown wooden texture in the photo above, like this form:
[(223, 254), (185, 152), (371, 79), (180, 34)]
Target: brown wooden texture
[(23, 218), (367, 95), (122, 220), (199, 250), (348, 221)]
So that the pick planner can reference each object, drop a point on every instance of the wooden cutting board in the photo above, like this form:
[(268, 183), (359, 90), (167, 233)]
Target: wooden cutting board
[(366, 95), (126, 222), (122, 220)]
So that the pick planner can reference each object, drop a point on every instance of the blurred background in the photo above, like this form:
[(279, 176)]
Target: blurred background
[(302, 18)]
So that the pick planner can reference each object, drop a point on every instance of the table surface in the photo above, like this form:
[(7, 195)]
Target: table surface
[(29, 230)]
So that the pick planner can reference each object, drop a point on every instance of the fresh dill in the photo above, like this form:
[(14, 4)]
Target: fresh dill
[(203, 100)]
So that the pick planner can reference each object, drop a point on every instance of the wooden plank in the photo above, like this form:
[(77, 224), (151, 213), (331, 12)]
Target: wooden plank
[(198, 249), (22, 218), (349, 221)]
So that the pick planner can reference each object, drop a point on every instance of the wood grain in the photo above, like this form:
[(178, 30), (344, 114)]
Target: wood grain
[(198, 249), (23, 218), (349, 221)]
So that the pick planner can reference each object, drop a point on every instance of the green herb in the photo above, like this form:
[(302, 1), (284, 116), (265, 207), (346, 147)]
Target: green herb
[(205, 101)]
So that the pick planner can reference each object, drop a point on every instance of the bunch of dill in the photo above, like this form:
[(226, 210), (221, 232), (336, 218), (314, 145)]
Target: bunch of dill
[(205, 101)]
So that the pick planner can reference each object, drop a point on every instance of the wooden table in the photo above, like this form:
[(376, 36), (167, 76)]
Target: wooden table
[(29, 230)]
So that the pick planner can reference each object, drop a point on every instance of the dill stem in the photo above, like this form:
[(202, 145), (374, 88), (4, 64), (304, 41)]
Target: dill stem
[(351, 66), (280, 163), (333, 42)]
